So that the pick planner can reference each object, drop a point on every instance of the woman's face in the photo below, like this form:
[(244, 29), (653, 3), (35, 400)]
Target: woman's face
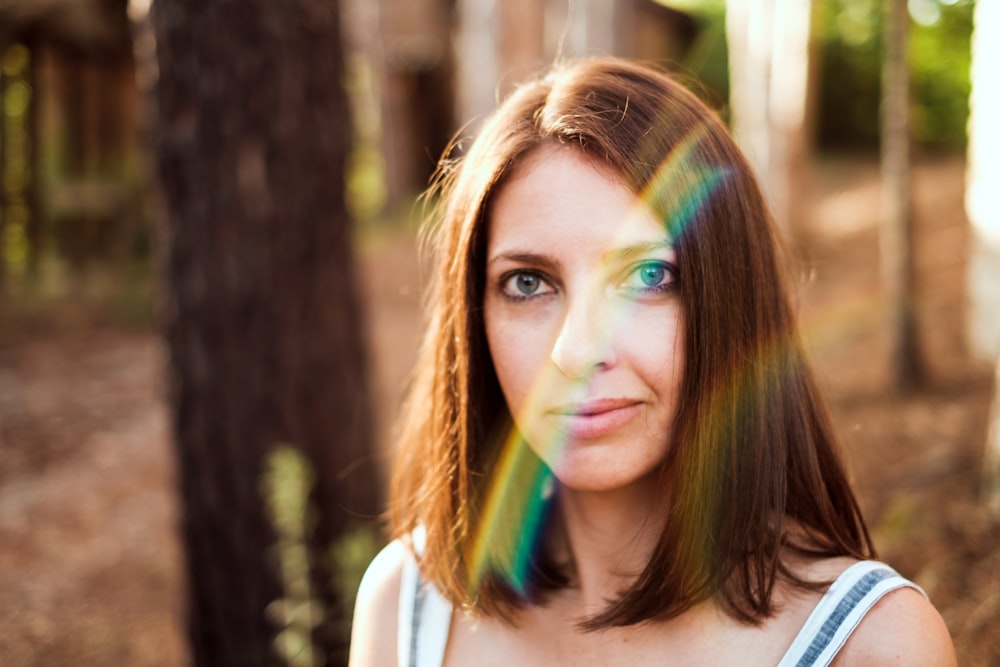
[(583, 320)]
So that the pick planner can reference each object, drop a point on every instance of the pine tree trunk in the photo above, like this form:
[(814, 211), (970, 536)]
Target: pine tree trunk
[(896, 234), (477, 61), (263, 322), (769, 58)]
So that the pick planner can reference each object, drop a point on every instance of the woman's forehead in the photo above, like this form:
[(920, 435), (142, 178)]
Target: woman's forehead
[(559, 197)]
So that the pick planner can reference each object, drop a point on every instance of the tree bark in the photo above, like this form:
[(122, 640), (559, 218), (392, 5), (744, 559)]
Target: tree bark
[(408, 45), (896, 233), (263, 322), (477, 61), (769, 69)]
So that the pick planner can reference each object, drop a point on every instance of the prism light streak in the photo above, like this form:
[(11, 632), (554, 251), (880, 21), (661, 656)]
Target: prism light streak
[(520, 486)]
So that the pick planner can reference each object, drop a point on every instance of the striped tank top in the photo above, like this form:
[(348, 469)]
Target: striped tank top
[(425, 616)]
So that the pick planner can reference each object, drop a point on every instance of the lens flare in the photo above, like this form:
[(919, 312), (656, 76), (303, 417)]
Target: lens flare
[(520, 489)]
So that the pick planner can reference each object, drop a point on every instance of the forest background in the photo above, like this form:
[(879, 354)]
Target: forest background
[(210, 293)]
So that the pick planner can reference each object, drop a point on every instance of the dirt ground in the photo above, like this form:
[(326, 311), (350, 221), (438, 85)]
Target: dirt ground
[(90, 569)]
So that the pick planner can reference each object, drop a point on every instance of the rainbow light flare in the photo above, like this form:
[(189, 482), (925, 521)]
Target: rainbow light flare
[(520, 487)]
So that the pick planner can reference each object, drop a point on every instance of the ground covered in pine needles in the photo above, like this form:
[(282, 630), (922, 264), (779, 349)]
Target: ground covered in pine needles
[(90, 563)]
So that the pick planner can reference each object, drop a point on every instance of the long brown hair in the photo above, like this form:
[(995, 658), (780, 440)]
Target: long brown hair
[(752, 467)]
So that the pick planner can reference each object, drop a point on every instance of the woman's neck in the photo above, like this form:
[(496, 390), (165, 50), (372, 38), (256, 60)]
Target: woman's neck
[(610, 537)]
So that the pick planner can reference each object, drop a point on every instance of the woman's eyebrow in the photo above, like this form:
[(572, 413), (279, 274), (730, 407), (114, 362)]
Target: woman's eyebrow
[(527, 257), (626, 253)]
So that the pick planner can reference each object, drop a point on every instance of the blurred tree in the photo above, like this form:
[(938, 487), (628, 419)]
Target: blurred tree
[(939, 65), (69, 106), (20, 224), (850, 34), (267, 358), (982, 204), (896, 233), (769, 83), (706, 53), (501, 43), (406, 45)]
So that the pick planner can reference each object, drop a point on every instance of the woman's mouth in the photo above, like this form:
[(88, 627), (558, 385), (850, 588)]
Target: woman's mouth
[(597, 417)]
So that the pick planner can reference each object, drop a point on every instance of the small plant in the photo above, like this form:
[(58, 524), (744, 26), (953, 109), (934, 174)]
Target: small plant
[(286, 483)]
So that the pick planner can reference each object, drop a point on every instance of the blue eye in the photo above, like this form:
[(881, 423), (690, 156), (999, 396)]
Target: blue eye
[(520, 285), (650, 277), (527, 283), (652, 274)]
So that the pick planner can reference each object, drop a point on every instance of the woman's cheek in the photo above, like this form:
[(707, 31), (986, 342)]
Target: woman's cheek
[(521, 348)]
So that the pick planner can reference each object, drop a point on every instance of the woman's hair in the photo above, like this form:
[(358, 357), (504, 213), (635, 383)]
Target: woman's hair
[(751, 468)]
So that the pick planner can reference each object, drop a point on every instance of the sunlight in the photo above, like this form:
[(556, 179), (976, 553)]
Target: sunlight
[(139, 9), (982, 196), (925, 12)]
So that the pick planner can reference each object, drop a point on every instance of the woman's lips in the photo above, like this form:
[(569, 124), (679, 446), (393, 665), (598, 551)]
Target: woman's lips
[(596, 418)]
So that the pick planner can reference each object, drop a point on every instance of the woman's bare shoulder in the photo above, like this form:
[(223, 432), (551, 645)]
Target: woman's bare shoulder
[(374, 630), (903, 628)]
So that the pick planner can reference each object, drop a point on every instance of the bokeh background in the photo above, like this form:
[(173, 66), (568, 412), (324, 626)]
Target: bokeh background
[(210, 286)]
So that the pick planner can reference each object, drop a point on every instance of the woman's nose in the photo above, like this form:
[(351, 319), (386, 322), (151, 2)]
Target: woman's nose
[(584, 342)]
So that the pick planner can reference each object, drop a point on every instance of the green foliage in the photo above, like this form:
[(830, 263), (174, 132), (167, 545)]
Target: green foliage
[(351, 555), (365, 186), (849, 40), (696, 6), (285, 485), (705, 67), (15, 165), (708, 59), (940, 60), (850, 44), (288, 477)]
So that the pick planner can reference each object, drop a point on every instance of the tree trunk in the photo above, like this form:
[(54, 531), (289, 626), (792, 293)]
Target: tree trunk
[(477, 61), (408, 45), (263, 321), (983, 208), (769, 75), (896, 234), (521, 42)]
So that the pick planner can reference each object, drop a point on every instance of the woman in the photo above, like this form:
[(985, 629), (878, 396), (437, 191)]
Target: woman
[(613, 451)]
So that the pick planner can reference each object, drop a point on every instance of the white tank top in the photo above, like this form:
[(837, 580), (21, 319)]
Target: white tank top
[(425, 616)]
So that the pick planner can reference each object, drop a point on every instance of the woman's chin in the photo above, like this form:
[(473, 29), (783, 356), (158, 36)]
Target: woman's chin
[(591, 474)]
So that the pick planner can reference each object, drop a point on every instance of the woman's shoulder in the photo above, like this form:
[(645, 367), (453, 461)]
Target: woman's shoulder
[(382, 579), (376, 611), (885, 618), (902, 628)]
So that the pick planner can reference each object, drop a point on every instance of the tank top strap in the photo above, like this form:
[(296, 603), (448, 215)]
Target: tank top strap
[(839, 612), (424, 616)]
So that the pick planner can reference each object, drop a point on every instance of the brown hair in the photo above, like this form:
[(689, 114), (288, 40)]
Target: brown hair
[(752, 466)]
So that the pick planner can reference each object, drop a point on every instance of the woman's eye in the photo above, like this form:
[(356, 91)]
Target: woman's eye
[(523, 284), (526, 283), (652, 274), (650, 277)]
